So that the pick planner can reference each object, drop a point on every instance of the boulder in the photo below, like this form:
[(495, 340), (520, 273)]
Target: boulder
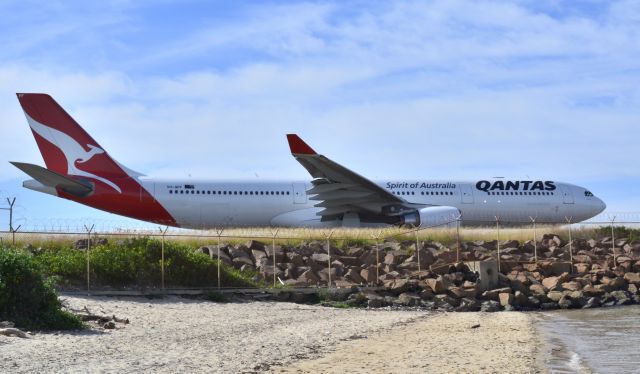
[(397, 286), (408, 299), (632, 278), (294, 258), (349, 260), (438, 285), (254, 245), (308, 277), (239, 261), (369, 274), (321, 258), (490, 306), (582, 268), (240, 251), (446, 302), (555, 296), (616, 283), (354, 276), (520, 299), (505, 298), (553, 283), (493, 294), (592, 302), (565, 302), (571, 286), (468, 305), (621, 297), (538, 289)]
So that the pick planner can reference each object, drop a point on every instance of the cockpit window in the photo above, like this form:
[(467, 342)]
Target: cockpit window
[(588, 193)]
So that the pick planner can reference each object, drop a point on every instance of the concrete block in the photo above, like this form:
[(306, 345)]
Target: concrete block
[(488, 273)]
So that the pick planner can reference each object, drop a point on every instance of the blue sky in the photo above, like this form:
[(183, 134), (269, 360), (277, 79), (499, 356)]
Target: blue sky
[(426, 89)]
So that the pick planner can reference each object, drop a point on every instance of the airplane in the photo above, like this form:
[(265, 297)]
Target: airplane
[(80, 170)]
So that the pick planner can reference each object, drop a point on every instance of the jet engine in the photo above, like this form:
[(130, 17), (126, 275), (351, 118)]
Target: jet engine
[(430, 217)]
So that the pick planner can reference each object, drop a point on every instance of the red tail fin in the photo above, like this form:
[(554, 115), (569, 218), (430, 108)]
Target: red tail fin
[(65, 146)]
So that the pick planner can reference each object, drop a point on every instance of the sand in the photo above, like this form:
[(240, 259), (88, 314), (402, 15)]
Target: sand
[(445, 343), (182, 335)]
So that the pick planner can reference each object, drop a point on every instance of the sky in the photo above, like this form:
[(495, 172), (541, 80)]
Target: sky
[(451, 89)]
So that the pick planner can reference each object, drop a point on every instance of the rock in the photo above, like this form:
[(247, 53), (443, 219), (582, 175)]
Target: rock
[(554, 283), (109, 325), (571, 286), (254, 245), (321, 258), (238, 252), (308, 277), (633, 288), (6, 324), (582, 268), (538, 289), (592, 302), (505, 298), (621, 297), (354, 276), (368, 275), (349, 261), (238, 262), (533, 301), (592, 291), (446, 302), (555, 295), (376, 303), (398, 286), (632, 278), (408, 299), (490, 306), (520, 299), (438, 285), (548, 306), (616, 283), (468, 305), (493, 294), (257, 255), (565, 302)]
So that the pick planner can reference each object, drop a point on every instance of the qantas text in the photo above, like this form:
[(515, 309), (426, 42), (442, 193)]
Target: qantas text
[(487, 186)]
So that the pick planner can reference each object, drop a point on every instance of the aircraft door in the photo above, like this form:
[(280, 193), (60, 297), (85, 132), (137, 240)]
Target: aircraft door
[(466, 193), (567, 195), (299, 193)]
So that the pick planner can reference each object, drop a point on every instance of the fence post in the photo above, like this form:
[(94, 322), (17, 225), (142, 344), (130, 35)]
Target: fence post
[(328, 237), (377, 238), (219, 234), (274, 234), (613, 243), (458, 238), (88, 229), (498, 240), (163, 233), (570, 242), (535, 240), (417, 249)]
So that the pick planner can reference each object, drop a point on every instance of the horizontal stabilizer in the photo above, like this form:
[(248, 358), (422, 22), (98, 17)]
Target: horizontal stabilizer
[(52, 179)]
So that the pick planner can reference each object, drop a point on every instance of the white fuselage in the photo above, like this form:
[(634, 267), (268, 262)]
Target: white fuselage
[(207, 204)]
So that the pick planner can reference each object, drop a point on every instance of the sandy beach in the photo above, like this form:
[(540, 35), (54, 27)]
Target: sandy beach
[(175, 334)]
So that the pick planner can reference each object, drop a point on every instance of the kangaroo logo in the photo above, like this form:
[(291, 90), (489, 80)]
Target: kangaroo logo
[(73, 151)]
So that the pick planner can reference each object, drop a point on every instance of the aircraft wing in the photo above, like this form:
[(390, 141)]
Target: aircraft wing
[(340, 190)]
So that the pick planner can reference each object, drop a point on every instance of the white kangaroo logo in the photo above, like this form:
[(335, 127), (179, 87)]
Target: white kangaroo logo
[(72, 150)]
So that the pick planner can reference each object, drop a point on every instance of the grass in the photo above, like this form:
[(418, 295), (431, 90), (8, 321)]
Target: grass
[(340, 237)]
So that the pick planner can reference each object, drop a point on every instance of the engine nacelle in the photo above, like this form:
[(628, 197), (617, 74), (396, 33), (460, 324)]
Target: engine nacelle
[(431, 217)]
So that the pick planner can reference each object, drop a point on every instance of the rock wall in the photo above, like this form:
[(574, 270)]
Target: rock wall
[(602, 273)]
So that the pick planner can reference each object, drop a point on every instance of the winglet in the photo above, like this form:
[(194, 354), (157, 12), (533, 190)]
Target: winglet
[(298, 146)]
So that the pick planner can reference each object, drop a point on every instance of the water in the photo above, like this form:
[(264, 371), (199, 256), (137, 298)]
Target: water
[(603, 340)]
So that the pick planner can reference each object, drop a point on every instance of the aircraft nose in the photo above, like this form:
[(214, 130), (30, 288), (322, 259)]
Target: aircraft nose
[(600, 206)]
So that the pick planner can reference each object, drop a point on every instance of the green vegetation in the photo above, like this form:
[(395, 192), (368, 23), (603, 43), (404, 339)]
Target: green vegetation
[(619, 232), (27, 298), (136, 262)]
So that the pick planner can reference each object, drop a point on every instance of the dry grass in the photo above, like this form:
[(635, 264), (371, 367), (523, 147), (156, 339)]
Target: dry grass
[(339, 236)]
